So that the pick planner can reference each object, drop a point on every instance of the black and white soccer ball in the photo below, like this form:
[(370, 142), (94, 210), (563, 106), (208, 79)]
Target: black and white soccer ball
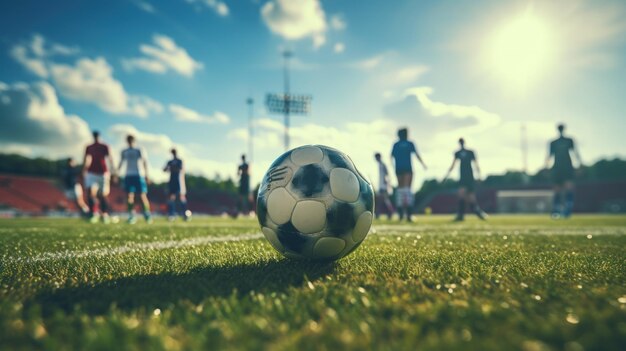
[(313, 203)]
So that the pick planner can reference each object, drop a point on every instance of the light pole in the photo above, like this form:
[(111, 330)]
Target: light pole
[(250, 102), (285, 103), (286, 55)]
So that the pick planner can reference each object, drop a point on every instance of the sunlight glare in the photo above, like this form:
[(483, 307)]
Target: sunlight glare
[(521, 52)]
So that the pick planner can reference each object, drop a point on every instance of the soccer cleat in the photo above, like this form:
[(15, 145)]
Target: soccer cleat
[(148, 218), (482, 215), (94, 218), (458, 219), (106, 219), (132, 220)]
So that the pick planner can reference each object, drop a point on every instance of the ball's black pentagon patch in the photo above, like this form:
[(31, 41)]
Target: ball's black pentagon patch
[(338, 159), (310, 180), (291, 239), (340, 218), (366, 195)]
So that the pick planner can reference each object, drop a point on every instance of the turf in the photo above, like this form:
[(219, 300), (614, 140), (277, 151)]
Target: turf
[(511, 283)]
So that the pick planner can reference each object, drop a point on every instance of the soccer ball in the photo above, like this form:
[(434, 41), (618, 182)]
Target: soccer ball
[(313, 203)]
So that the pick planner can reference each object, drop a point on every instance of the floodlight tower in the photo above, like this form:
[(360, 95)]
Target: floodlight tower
[(286, 56), (250, 102), (285, 103)]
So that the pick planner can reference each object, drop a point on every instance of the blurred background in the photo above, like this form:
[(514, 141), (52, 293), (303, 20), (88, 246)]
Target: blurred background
[(208, 76)]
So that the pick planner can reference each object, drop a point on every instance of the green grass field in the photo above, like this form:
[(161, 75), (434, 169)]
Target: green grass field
[(511, 283)]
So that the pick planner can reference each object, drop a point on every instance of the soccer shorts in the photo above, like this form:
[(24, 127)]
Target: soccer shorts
[(99, 181), (135, 184), (561, 175), (468, 183), (177, 187)]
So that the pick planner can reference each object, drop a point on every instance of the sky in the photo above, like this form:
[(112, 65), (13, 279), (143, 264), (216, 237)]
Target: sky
[(178, 73)]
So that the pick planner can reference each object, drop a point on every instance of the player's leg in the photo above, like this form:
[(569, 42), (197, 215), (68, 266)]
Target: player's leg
[(400, 194), (408, 196), (129, 187), (171, 206), (92, 190), (460, 213), (103, 193), (183, 205), (142, 187), (568, 205), (80, 200), (556, 201), (471, 196)]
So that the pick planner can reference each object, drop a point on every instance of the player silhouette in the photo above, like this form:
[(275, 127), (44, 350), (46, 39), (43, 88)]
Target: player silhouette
[(177, 188), (383, 185), (243, 171), (136, 179), (97, 177), (562, 173), (467, 182), (401, 154)]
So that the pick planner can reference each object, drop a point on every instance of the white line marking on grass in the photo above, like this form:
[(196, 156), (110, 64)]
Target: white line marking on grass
[(134, 247)]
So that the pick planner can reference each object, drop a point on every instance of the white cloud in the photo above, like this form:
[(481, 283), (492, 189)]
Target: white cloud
[(163, 56), (185, 114), (370, 63), (91, 80), (296, 19), (33, 55), (219, 7), (158, 148), (145, 6), (337, 22), (35, 65), (88, 80), (484, 120), (33, 120), (339, 48)]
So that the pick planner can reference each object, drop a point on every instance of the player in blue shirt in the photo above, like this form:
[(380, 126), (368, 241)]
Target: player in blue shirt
[(466, 181), (562, 173), (176, 187), (401, 154)]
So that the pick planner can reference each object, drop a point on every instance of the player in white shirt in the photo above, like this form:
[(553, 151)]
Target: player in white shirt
[(136, 179), (383, 186)]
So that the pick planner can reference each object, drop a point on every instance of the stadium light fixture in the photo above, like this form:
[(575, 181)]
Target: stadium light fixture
[(286, 103)]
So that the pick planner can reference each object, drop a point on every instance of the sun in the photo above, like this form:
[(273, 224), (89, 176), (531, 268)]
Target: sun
[(521, 52)]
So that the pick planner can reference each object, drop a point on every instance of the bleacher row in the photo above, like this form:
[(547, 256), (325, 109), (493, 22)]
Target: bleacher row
[(41, 196)]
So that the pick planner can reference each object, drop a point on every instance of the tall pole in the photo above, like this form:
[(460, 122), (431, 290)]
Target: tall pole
[(286, 55), (250, 103)]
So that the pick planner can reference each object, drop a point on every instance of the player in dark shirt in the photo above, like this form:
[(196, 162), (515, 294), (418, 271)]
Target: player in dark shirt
[(401, 155), (562, 173), (73, 190), (243, 171), (97, 176), (176, 187), (466, 181)]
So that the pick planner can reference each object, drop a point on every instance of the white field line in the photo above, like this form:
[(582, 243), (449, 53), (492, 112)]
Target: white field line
[(391, 230), (133, 247)]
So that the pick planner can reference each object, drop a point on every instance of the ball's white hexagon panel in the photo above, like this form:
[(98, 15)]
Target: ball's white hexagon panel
[(280, 205), (344, 184), (327, 247), (309, 216), (270, 235), (362, 226), (307, 155)]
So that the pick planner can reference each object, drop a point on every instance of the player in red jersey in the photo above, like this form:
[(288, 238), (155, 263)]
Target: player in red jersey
[(97, 177)]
